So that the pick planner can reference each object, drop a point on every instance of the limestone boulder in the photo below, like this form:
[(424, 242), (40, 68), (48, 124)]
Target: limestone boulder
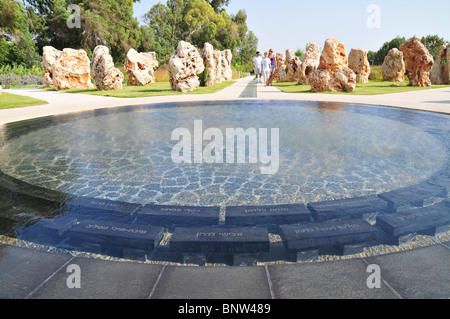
[(212, 61), (289, 68), (105, 75), (208, 74), (440, 73), (281, 67), (293, 65), (49, 56), (227, 72), (72, 70), (218, 64), (140, 67), (418, 62), (333, 73), (393, 68), (358, 62), (184, 67), (309, 62)]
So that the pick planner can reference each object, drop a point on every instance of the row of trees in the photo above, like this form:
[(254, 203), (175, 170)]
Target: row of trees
[(200, 21), (26, 27), (432, 42)]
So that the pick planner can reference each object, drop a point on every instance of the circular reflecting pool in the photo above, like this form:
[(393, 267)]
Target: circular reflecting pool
[(326, 152)]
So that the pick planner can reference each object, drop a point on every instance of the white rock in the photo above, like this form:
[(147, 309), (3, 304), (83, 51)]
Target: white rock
[(393, 68), (358, 62), (140, 67), (71, 70), (333, 73), (49, 56), (440, 73), (309, 63), (106, 76), (184, 67)]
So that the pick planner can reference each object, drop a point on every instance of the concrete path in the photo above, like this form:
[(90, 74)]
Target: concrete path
[(421, 273)]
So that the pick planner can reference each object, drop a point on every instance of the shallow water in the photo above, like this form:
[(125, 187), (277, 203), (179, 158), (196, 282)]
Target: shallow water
[(327, 152)]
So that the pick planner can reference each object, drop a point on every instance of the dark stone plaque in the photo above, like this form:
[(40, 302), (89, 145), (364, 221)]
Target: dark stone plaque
[(352, 208), (266, 215), (414, 195), (220, 240), (86, 208), (422, 220), (50, 231), (107, 234), (317, 235), (178, 215)]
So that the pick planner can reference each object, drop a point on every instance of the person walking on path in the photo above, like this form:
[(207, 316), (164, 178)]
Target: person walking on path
[(273, 60), (257, 66), (267, 68)]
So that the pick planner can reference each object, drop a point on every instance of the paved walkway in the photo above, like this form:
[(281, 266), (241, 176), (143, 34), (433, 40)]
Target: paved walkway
[(421, 273)]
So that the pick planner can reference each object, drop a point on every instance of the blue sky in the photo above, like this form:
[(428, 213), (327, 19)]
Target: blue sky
[(283, 24)]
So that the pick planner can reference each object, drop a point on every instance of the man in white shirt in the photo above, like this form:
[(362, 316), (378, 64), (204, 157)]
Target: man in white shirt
[(267, 68), (257, 66)]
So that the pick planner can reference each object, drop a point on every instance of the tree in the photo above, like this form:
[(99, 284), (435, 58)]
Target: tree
[(200, 16), (166, 23), (299, 53), (110, 23), (218, 4), (371, 57), (197, 21), (433, 44), (12, 18), (245, 52), (107, 22), (49, 24), (17, 45), (387, 46)]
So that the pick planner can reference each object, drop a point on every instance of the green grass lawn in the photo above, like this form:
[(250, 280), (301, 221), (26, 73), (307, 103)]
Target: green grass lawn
[(10, 101), (374, 87), (154, 89)]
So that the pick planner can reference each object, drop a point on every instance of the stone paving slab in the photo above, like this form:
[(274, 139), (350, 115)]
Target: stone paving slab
[(22, 270), (328, 280), (418, 274), (103, 280), (213, 283)]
